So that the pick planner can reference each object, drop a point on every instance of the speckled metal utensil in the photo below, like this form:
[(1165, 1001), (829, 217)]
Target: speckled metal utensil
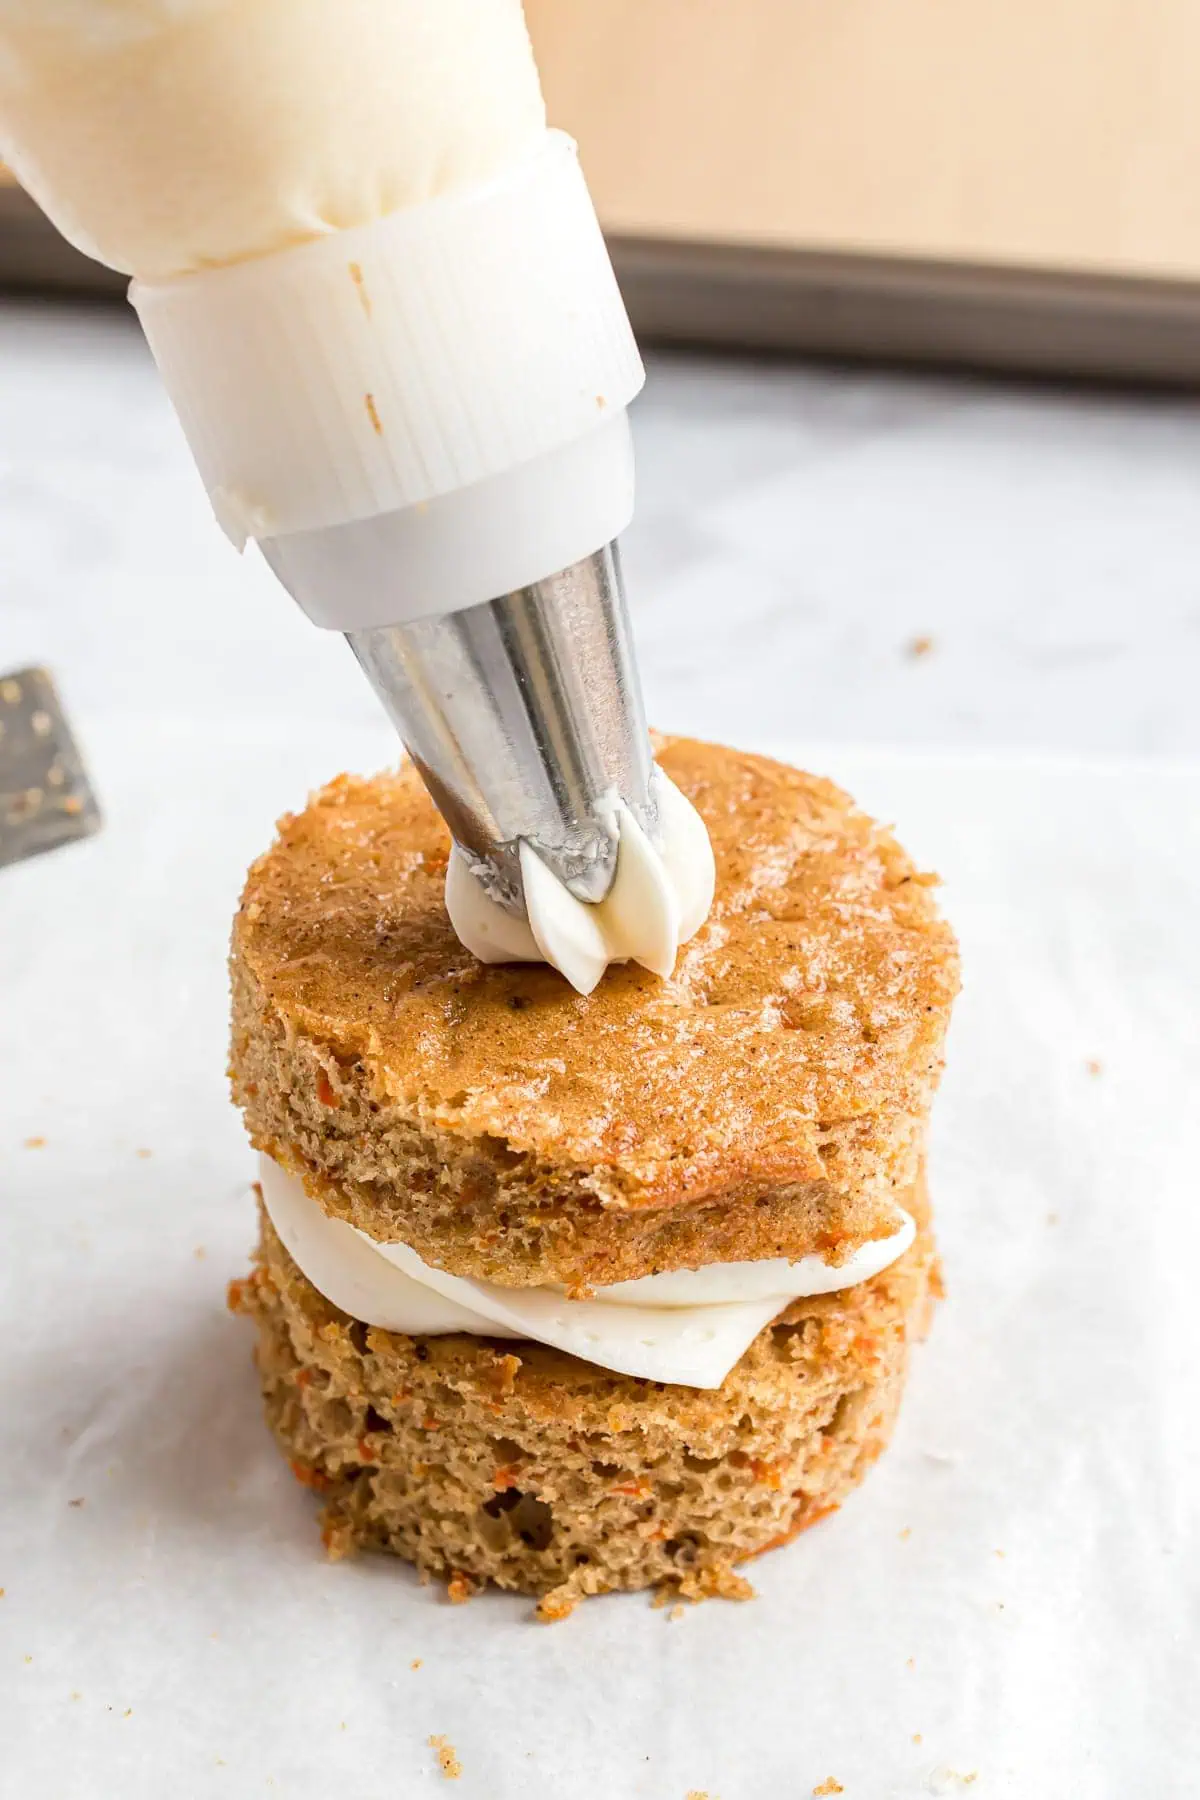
[(45, 799)]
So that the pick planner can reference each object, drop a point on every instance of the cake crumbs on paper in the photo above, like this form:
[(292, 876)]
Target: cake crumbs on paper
[(448, 1762), (35, 1143), (415, 1663), (829, 1786), (143, 1154), (916, 1737), (460, 1588), (711, 1581), (558, 1604), (1094, 1066), (336, 1535), (920, 646), (676, 1612), (906, 1533), (944, 1780)]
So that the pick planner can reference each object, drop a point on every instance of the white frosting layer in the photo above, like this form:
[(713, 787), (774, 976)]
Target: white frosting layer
[(658, 900), (690, 1326), (165, 136)]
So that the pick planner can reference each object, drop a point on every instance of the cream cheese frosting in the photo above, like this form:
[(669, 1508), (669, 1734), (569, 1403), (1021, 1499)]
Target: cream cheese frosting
[(167, 136), (688, 1326), (659, 898)]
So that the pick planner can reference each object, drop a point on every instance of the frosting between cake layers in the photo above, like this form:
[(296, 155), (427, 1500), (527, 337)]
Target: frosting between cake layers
[(659, 898), (688, 1325)]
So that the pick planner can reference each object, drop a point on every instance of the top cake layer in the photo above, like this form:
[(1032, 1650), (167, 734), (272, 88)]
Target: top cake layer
[(769, 1099)]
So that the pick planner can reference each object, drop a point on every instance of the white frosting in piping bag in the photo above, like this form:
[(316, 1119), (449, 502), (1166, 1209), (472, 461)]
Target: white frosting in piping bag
[(166, 136), (658, 900), (689, 1326)]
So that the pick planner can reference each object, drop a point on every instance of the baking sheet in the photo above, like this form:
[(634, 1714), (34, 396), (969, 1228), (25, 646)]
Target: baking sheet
[(1009, 1607)]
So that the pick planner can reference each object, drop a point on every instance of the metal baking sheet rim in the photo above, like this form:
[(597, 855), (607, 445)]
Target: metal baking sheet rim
[(814, 302), (897, 309)]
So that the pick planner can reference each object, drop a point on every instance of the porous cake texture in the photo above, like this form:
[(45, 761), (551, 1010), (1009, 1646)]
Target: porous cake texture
[(770, 1099)]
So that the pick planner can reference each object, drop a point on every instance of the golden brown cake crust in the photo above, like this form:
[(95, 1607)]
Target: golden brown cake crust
[(769, 1099), (517, 1464)]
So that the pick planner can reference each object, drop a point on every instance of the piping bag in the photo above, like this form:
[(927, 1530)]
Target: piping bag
[(377, 292)]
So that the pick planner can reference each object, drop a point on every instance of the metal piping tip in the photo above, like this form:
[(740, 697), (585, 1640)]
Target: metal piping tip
[(524, 717)]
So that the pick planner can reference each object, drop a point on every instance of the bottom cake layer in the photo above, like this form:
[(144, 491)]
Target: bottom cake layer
[(488, 1460)]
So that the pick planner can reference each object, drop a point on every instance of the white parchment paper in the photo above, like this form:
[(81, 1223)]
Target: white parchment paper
[(1009, 1607)]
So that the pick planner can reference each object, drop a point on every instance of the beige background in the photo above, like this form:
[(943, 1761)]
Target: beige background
[(1055, 133)]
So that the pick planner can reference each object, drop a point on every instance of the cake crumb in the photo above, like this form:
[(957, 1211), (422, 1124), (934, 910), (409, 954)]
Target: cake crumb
[(27, 1658), (712, 1581), (128, 1713), (75, 1694), (829, 1786), (337, 1537), (460, 1588), (35, 1143), (920, 646), (78, 1502), (415, 1663), (916, 1738), (199, 1253), (906, 1533), (1094, 1066), (447, 1761), (143, 1154), (558, 1604), (676, 1612), (1052, 1218), (911, 1663)]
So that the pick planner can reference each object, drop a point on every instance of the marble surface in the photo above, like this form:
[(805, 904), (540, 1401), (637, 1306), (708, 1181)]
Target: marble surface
[(818, 554)]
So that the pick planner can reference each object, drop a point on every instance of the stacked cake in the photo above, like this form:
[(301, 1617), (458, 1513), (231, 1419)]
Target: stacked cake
[(580, 1293)]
